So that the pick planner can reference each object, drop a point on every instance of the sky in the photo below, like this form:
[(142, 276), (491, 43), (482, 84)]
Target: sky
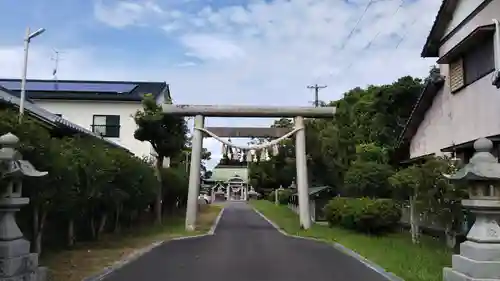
[(253, 52)]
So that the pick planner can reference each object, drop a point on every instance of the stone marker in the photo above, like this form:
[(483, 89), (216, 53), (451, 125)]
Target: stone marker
[(16, 261), (479, 258)]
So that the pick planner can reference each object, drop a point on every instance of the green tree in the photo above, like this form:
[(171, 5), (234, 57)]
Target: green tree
[(406, 184), (165, 133), (430, 194)]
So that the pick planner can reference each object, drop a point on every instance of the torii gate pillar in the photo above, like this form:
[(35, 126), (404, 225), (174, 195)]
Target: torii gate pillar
[(302, 182), (194, 173)]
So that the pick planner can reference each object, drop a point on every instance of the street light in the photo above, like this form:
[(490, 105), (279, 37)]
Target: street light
[(27, 40)]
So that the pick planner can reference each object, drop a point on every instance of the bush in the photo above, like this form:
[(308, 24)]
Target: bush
[(283, 196), (368, 179), (175, 187), (365, 215), (90, 188)]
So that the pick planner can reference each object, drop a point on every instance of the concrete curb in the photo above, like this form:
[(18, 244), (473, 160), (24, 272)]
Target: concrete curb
[(216, 222), (388, 275), (138, 253)]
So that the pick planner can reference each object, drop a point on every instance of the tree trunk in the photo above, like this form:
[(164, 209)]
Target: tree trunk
[(117, 219), (102, 224), (451, 237), (158, 207), (71, 232), (39, 217), (35, 221), (92, 227), (414, 221)]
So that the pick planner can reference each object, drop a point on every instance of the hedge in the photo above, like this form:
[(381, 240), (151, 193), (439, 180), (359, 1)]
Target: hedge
[(365, 215), (283, 196), (91, 188)]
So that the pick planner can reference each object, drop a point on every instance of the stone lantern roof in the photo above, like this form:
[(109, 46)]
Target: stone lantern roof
[(483, 166)]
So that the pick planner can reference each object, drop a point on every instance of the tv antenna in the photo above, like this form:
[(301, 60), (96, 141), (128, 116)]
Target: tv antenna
[(56, 58)]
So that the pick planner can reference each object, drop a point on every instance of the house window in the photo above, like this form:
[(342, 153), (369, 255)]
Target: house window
[(107, 125), (473, 65), (456, 75)]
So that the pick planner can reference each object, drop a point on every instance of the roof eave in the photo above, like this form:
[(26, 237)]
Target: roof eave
[(445, 13)]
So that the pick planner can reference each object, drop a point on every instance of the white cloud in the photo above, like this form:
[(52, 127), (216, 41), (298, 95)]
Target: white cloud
[(171, 27), (262, 53), (186, 64), (211, 47), (125, 13)]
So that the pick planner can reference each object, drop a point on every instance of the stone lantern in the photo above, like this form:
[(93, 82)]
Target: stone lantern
[(479, 258), (277, 195), (16, 261)]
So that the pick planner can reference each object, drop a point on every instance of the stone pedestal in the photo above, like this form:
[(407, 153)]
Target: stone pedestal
[(479, 258), (16, 261)]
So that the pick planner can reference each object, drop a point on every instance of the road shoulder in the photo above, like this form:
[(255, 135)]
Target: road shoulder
[(371, 265), (97, 260)]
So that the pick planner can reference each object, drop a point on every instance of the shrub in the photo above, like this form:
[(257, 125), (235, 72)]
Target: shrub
[(283, 196), (334, 209), (90, 188), (175, 187), (365, 215), (368, 179), (270, 196)]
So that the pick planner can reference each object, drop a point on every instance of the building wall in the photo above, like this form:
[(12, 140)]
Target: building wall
[(470, 113), (82, 112), (456, 118), (465, 7), (225, 173), (433, 133)]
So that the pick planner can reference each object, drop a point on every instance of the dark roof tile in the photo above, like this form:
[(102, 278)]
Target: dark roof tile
[(86, 89)]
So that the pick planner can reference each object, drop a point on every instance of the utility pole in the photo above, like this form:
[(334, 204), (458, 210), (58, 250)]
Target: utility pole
[(27, 40), (316, 88)]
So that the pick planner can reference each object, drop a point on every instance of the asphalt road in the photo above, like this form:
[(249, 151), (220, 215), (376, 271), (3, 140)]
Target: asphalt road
[(245, 247)]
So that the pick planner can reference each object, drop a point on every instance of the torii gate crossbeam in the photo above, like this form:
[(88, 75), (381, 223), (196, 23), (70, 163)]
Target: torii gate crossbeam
[(202, 111)]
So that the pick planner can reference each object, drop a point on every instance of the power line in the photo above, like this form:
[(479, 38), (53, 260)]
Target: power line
[(368, 45), (404, 34), (316, 88), (378, 33), (351, 33)]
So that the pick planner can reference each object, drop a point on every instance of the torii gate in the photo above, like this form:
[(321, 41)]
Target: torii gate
[(201, 111)]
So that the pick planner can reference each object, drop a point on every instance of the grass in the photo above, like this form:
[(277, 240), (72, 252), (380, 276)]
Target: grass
[(90, 258), (394, 252)]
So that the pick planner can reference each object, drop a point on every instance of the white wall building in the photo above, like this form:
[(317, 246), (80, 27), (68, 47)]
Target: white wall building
[(463, 104), (103, 107)]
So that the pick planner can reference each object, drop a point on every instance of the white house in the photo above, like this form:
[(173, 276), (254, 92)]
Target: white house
[(54, 123), (464, 103), (103, 107)]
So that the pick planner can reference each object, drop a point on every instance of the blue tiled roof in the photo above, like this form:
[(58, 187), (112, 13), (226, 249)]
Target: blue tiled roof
[(86, 90), (45, 116)]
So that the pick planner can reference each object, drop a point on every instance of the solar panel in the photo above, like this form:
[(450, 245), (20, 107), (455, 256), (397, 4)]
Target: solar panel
[(69, 86)]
